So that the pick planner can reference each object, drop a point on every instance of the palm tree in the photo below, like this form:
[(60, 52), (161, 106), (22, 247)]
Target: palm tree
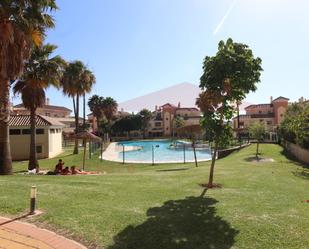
[(40, 71), (76, 81), (109, 107), (22, 25), (145, 118), (88, 79), (95, 104)]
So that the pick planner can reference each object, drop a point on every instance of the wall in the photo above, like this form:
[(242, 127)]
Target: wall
[(55, 143), (226, 152), (20, 144), (300, 153)]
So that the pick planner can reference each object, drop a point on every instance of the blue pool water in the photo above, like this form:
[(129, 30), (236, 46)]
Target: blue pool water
[(163, 152)]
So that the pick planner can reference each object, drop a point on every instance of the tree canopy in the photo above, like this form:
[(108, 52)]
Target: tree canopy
[(295, 126)]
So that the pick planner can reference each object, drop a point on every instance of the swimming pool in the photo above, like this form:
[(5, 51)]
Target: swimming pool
[(163, 151)]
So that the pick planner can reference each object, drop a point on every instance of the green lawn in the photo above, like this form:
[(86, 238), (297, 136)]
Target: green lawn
[(260, 205)]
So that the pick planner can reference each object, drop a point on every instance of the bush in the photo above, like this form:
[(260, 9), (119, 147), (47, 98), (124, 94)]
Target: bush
[(295, 126)]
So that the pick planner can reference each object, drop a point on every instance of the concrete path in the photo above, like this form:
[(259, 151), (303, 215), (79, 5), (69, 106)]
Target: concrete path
[(20, 235)]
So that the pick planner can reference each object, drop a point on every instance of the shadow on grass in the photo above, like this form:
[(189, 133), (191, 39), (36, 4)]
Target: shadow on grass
[(302, 173), (293, 159), (189, 223), (163, 170)]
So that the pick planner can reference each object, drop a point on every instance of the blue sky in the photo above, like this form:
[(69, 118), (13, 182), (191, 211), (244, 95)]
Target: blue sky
[(138, 46)]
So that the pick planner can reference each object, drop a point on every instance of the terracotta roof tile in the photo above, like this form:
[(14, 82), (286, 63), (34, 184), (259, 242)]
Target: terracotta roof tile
[(50, 107), (24, 120)]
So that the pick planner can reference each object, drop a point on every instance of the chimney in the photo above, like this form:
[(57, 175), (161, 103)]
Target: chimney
[(178, 104), (271, 99), (156, 108), (47, 101)]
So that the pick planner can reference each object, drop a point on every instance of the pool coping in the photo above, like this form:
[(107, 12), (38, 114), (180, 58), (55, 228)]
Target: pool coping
[(110, 154)]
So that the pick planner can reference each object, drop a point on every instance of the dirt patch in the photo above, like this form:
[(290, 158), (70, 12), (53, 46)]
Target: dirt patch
[(260, 160)]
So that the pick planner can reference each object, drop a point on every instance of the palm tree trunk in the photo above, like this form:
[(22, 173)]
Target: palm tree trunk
[(76, 109), (5, 150), (98, 123), (212, 167), (33, 161), (84, 111)]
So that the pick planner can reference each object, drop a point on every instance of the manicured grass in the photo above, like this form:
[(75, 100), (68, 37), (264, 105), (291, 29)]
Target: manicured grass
[(260, 205)]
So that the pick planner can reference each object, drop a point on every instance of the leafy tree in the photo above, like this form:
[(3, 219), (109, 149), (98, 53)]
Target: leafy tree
[(41, 71), (295, 125), (145, 115), (227, 78), (257, 131), (128, 123), (178, 122), (22, 26)]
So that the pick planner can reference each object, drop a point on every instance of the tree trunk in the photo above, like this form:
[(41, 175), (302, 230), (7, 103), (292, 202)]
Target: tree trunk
[(33, 161), (238, 126), (84, 111), (195, 160), (98, 123), (212, 167), (257, 150), (5, 150), (76, 123)]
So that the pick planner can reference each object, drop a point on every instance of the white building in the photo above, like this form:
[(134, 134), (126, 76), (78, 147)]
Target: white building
[(48, 139)]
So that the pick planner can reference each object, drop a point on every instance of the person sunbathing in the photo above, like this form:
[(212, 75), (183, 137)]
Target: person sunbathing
[(59, 167), (76, 171), (66, 171)]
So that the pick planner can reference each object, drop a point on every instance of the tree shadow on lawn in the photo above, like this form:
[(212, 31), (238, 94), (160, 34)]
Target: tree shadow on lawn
[(304, 171), (189, 223), (293, 159)]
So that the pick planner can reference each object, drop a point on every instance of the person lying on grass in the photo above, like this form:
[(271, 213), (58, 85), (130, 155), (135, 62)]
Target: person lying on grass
[(76, 171)]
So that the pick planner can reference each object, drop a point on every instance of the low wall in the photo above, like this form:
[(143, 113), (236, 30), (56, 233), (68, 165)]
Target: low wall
[(226, 152), (300, 153)]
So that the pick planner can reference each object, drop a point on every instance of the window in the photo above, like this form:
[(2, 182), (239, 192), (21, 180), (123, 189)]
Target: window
[(166, 119), (261, 120), (52, 131), (157, 124), (14, 131), (40, 131), (167, 128), (39, 149), (260, 112), (26, 131), (269, 122)]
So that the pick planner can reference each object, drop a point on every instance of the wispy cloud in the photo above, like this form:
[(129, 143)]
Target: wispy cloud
[(219, 26)]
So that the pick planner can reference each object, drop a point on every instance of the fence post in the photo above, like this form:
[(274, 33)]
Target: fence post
[(102, 144), (123, 156), (152, 155), (184, 153)]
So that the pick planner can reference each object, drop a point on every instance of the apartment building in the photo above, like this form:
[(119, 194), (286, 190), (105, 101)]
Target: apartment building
[(270, 114), (163, 120)]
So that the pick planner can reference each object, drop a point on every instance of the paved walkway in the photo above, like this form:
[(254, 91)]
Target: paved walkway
[(20, 235)]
